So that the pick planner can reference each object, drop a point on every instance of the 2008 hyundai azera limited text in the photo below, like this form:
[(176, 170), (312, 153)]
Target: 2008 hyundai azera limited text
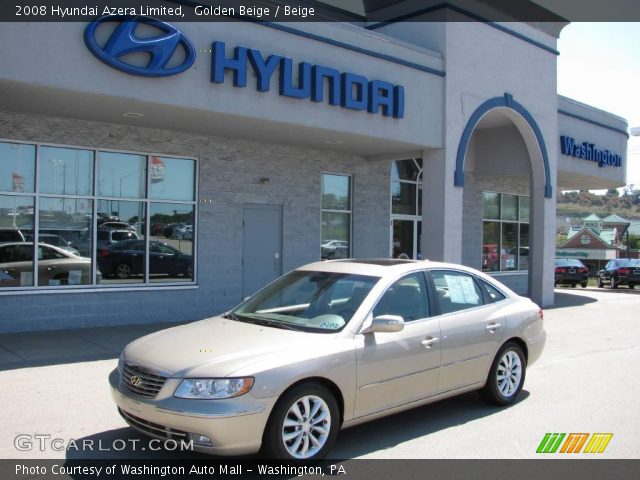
[(328, 346)]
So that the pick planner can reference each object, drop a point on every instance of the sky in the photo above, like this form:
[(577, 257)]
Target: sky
[(599, 64)]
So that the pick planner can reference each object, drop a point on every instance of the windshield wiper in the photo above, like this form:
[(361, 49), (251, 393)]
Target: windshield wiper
[(231, 316)]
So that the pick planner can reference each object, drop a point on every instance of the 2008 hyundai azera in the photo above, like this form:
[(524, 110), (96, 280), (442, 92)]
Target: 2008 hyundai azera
[(328, 346)]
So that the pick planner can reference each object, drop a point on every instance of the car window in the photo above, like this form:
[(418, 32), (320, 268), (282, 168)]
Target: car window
[(46, 253), (160, 248), (407, 298), (455, 291), (117, 236), (492, 294), (15, 253)]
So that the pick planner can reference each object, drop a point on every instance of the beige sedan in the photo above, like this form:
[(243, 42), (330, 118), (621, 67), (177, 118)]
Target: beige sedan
[(325, 347), (56, 266)]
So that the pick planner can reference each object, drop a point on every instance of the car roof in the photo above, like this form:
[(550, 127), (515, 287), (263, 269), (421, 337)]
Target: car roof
[(379, 267)]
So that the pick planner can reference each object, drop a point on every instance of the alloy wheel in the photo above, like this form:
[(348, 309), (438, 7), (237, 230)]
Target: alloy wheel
[(509, 374), (306, 427)]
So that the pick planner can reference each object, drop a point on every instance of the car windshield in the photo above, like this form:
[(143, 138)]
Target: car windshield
[(303, 300)]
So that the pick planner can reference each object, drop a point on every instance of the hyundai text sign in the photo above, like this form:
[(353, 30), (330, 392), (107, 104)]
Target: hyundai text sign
[(163, 47), (169, 52), (588, 151)]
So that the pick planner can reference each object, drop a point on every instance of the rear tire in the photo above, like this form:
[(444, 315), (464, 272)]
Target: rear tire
[(123, 271), (506, 376), (574, 285), (583, 284), (600, 283), (303, 425), (614, 283), (632, 286)]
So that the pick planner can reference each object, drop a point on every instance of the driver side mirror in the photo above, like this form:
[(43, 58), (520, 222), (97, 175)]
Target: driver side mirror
[(385, 324)]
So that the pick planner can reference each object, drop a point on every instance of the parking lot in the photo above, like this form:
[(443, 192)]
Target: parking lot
[(55, 384)]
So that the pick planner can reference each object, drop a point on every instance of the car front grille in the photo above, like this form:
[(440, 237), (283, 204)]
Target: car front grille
[(152, 428), (142, 382)]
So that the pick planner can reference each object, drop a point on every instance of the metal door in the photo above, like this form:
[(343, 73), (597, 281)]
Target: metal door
[(261, 246)]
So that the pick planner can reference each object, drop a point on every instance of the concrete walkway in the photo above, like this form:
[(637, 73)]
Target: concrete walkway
[(27, 349)]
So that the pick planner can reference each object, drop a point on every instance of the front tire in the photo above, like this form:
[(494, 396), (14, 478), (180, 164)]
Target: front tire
[(506, 376), (303, 425), (600, 283), (614, 283)]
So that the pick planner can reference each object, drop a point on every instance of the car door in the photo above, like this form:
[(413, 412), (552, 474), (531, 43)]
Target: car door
[(16, 265), (472, 329), (399, 367)]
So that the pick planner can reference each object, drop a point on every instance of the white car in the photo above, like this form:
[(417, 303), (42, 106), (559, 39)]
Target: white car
[(330, 345)]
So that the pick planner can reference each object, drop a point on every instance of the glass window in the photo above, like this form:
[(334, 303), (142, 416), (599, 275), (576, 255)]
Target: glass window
[(492, 294), (336, 192), (509, 249), (122, 175), (509, 207), (491, 246), (120, 243), (336, 217), (455, 291), (406, 298), (505, 241), (66, 171), (523, 252), (491, 205), (69, 210), (171, 255), (405, 169), (17, 167), (404, 198), (172, 179), (524, 209)]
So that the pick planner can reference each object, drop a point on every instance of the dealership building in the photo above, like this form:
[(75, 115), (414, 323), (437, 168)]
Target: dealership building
[(228, 153)]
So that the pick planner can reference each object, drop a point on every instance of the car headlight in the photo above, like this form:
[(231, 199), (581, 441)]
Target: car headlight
[(121, 363), (213, 388)]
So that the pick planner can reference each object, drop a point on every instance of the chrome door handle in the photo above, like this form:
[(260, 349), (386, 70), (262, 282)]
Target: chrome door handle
[(493, 327), (427, 342)]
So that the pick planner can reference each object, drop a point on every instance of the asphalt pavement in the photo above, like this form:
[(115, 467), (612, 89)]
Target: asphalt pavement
[(54, 387)]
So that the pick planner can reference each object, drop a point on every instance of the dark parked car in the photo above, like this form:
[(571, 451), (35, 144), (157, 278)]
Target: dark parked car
[(621, 271), (570, 271), (126, 258)]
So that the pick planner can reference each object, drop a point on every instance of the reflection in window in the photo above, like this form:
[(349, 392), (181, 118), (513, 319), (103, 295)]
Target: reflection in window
[(122, 175), (85, 236), (336, 217), (406, 208), (17, 167), (171, 245), (491, 205), (505, 244), (172, 178), (66, 171)]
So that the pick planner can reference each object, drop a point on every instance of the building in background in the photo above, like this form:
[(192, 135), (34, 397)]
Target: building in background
[(194, 176)]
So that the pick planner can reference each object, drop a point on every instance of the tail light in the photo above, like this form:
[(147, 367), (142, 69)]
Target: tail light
[(561, 270), (624, 271), (103, 253), (584, 270), (541, 314)]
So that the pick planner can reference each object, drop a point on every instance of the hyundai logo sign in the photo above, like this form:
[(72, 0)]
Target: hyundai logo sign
[(168, 50)]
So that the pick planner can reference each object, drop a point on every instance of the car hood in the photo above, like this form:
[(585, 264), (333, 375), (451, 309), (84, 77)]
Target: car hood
[(217, 347)]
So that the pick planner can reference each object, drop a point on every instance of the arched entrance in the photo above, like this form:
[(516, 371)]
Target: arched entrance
[(503, 165)]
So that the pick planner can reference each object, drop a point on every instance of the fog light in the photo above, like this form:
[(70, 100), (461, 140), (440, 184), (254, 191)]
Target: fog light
[(200, 440)]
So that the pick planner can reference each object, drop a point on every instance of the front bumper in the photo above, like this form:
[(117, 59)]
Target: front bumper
[(235, 426)]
